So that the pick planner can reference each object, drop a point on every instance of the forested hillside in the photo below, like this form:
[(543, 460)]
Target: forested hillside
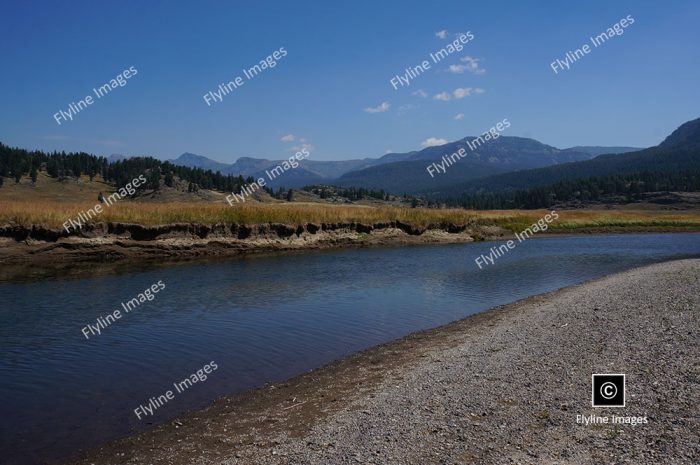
[(603, 189), (16, 162), (675, 160)]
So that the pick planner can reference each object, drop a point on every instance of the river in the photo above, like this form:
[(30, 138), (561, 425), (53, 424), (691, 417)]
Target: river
[(260, 319)]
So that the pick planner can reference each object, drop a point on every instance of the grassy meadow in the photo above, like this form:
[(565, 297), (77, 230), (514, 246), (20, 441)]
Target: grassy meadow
[(53, 214), (51, 203)]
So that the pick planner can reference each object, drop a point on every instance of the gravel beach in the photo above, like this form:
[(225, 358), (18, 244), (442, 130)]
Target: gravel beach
[(502, 387)]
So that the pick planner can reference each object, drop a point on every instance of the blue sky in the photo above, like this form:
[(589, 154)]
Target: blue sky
[(632, 90)]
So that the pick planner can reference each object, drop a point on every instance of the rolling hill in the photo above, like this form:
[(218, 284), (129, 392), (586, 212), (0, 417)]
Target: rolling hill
[(408, 177), (310, 171), (678, 152), (595, 150)]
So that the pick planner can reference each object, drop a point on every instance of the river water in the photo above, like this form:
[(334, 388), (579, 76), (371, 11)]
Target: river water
[(260, 319)]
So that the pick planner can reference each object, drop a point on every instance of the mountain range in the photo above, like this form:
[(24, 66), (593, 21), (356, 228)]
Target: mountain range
[(509, 172), (679, 152), (406, 172)]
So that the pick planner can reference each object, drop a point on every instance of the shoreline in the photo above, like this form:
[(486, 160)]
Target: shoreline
[(88, 269), (287, 422), (117, 243)]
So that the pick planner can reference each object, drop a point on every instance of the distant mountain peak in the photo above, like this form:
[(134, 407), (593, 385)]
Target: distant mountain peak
[(194, 156), (193, 160), (115, 157), (687, 134)]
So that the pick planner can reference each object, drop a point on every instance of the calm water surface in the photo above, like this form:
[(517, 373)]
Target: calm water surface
[(261, 319)]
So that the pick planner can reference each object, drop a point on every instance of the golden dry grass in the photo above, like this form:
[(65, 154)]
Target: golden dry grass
[(600, 220), (54, 214), (51, 190)]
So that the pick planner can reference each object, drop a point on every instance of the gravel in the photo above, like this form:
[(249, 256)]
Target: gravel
[(510, 392), (502, 387)]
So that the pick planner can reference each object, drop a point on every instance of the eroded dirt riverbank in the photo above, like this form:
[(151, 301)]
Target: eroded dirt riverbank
[(120, 241)]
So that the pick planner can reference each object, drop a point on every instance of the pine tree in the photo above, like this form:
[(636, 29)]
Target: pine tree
[(154, 179), (168, 179)]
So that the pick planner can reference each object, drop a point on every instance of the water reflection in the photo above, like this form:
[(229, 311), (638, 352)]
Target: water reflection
[(260, 318)]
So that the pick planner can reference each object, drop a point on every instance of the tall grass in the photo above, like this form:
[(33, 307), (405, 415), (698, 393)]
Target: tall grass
[(55, 214)]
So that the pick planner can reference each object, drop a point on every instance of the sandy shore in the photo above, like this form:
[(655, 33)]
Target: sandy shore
[(501, 387)]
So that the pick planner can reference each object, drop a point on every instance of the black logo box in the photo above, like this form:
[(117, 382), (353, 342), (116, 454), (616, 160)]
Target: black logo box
[(608, 390)]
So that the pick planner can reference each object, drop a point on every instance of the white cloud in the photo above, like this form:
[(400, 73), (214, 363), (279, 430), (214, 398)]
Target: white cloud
[(462, 92), (457, 69), (403, 109), (288, 138), (441, 34), (444, 96), (459, 116), (433, 141), (298, 148), (302, 140), (384, 106), (388, 151), (420, 93), (471, 64), (458, 93)]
